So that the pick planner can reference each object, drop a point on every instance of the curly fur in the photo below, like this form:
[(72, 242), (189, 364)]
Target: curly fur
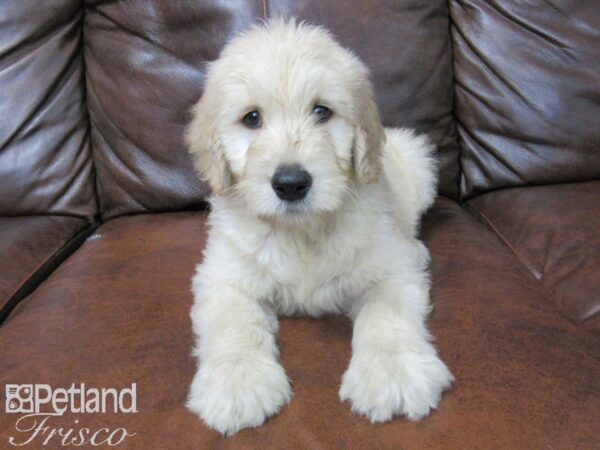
[(349, 247)]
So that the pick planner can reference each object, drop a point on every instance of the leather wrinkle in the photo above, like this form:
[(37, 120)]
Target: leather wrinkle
[(116, 158), (52, 92), (121, 132), (554, 244), (155, 44), (496, 73), (23, 49), (522, 24), (492, 152), (80, 163), (489, 224)]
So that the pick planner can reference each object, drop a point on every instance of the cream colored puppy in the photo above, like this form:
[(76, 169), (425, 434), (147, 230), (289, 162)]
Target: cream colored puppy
[(315, 211)]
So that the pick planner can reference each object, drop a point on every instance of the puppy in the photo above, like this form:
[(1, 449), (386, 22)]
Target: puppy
[(315, 210)]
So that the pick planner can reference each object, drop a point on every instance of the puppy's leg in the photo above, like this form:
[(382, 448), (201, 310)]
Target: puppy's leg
[(239, 382), (394, 368)]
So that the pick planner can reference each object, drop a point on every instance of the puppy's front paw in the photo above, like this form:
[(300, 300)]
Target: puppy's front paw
[(381, 385), (230, 396)]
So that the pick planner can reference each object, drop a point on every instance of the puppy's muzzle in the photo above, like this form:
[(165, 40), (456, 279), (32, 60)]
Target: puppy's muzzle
[(291, 182)]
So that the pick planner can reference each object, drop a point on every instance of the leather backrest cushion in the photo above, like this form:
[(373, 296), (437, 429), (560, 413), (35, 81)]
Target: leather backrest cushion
[(45, 157), (527, 92), (406, 45), (145, 64)]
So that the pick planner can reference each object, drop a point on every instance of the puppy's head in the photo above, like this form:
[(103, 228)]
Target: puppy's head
[(287, 122)]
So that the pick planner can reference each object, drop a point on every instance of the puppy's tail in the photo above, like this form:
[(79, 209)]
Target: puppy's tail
[(411, 173)]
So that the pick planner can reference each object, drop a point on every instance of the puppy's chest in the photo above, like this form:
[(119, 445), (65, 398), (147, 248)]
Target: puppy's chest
[(308, 274)]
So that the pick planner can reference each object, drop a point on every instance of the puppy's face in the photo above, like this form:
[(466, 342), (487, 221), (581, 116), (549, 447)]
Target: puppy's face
[(287, 121)]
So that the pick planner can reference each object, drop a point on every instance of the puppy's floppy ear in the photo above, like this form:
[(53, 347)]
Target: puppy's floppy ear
[(205, 145), (369, 137)]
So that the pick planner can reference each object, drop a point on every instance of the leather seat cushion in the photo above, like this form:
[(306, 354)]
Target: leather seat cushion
[(117, 312), (555, 232), (30, 247)]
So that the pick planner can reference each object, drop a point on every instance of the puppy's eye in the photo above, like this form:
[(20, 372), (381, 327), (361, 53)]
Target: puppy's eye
[(323, 113), (252, 119)]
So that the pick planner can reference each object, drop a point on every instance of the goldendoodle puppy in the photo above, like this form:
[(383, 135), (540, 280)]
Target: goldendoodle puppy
[(315, 210)]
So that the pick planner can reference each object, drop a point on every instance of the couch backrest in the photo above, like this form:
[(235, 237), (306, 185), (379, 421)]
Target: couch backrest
[(527, 92), (145, 64), (45, 159), (406, 44), (144, 70)]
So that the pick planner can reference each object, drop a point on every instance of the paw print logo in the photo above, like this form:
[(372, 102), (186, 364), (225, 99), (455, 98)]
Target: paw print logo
[(19, 398)]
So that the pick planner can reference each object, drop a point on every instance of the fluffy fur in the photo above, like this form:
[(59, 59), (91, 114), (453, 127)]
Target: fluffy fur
[(349, 247)]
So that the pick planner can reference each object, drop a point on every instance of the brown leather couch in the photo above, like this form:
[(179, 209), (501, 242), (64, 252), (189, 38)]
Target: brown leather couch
[(103, 219)]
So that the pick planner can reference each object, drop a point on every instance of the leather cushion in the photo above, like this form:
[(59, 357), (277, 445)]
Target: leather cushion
[(45, 156), (407, 47), (527, 92), (30, 247), (555, 233), (145, 69), (117, 312), (145, 63)]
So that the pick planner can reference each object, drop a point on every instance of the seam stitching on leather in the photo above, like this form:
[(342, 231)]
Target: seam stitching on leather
[(23, 291), (560, 310), (98, 215), (453, 112), (497, 232)]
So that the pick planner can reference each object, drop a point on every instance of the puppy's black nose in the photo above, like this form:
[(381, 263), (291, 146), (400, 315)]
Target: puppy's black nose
[(291, 182)]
